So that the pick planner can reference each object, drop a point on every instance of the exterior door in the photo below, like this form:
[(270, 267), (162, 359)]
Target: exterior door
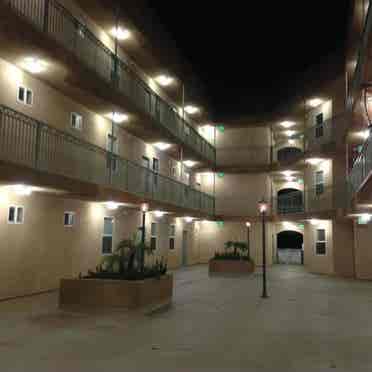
[(185, 238)]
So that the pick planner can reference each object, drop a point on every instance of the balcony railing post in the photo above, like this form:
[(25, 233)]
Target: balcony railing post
[(37, 146)]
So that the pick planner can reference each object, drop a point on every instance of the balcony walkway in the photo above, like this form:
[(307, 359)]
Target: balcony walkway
[(310, 323)]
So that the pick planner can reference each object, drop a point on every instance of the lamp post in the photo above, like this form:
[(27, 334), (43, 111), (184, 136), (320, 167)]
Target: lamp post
[(248, 224), (262, 207), (144, 209)]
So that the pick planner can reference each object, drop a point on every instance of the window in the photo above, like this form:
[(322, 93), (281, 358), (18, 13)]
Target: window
[(25, 96), (321, 245), (172, 237), (69, 219), (16, 215), (155, 168), (186, 176), (319, 182), (153, 241), (108, 231), (319, 125), (76, 121)]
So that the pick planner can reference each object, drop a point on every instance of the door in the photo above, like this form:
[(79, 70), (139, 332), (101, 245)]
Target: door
[(146, 174), (185, 238)]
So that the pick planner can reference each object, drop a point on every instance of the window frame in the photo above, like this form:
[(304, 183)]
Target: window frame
[(108, 236), (77, 115), (319, 126), (26, 91), (73, 215), (16, 209), (317, 241), (319, 186), (172, 237), (154, 236)]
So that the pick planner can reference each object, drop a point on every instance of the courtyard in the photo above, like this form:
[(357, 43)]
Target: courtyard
[(309, 323)]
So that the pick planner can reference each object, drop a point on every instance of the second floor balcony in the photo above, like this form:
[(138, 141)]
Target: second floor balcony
[(73, 37), (38, 146)]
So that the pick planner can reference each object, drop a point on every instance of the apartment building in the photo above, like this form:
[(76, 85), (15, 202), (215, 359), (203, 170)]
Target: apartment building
[(92, 139)]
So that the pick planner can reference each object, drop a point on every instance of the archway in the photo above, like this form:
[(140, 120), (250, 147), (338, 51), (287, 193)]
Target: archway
[(290, 201), (290, 248), (288, 153)]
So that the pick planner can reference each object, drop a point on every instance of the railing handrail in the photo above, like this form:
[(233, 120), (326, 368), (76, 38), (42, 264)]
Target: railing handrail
[(135, 75), (80, 142)]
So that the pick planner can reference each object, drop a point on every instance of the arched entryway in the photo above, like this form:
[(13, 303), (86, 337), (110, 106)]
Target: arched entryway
[(288, 153), (290, 201), (290, 248)]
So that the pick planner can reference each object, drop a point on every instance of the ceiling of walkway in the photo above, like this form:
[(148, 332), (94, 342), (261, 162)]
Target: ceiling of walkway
[(250, 56)]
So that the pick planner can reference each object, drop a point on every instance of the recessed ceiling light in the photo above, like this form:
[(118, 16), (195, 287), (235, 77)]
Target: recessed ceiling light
[(189, 219), (112, 206), (117, 117), (192, 110), (314, 161), (34, 65), (189, 163), (162, 146), (315, 102), (289, 133), (291, 142), (23, 190), (120, 33), (164, 80), (287, 124), (159, 213)]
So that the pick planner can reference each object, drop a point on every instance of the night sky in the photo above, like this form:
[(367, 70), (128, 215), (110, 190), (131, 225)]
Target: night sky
[(248, 55)]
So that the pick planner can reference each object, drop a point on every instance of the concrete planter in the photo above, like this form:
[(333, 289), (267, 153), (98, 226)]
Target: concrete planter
[(231, 267), (102, 293)]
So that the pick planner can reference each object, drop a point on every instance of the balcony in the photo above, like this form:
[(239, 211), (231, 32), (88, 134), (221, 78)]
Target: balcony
[(34, 145), (53, 20), (362, 167)]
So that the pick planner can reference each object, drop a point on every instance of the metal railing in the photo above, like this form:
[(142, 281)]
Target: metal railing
[(52, 18), (317, 199), (28, 142), (362, 166)]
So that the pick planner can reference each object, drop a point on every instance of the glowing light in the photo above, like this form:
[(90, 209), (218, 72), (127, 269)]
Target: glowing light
[(189, 163), (34, 65), (164, 80), (112, 206), (291, 142), (189, 219), (287, 124), (288, 173), (144, 207), (365, 218), (248, 224), (117, 117), (262, 206), (314, 222), (192, 110), (315, 102), (159, 214), (23, 190), (314, 161), (290, 179), (364, 134), (120, 33), (162, 146), (289, 133)]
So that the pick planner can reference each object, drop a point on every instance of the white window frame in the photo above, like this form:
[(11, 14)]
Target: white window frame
[(80, 121), (71, 214), (154, 236), (321, 241), (108, 235), (15, 222), (172, 235), (26, 90)]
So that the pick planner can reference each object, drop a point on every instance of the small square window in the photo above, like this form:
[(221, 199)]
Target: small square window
[(76, 121), (172, 230), (21, 94), (319, 183), (16, 215), (321, 244), (29, 97), (69, 219), (171, 244), (25, 96), (319, 126)]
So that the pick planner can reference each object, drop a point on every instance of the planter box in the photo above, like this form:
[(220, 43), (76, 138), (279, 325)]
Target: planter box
[(102, 293), (231, 267)]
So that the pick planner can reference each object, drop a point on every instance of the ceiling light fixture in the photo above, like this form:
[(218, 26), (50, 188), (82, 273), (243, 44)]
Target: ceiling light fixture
[(192, 110), (117, 117), (120, 33), (315, 102), (34, 65), (287, 124), (162, 146), (164, 80)]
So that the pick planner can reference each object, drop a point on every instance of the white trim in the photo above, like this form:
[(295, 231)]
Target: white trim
[(321, 241), (26, 90), (77, 115), (107, 235), (74, 219), (16, 207)]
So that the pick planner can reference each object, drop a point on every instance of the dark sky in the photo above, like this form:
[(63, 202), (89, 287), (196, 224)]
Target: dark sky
[(248, 54)]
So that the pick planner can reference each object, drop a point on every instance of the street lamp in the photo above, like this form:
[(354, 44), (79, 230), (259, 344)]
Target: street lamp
[(262, 207), (144, 209), (248, 224)]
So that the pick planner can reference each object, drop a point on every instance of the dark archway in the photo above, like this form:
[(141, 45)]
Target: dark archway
[(290, 201), (289, 248), (288, 153)]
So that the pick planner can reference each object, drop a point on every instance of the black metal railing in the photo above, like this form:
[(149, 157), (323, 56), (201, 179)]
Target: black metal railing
[(52, 18), (28, 142)]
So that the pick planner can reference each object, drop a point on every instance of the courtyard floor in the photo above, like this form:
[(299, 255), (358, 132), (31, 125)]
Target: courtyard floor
[(309, 323)]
